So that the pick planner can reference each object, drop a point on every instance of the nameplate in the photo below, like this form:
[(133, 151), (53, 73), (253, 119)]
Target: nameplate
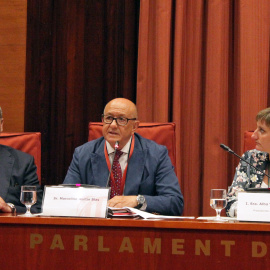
[(75, 201), (253, 206)]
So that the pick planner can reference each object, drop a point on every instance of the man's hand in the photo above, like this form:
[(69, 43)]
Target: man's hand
[(123, 201), (4, 207)]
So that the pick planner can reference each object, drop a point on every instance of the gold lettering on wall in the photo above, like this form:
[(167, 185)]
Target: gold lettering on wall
[(101, 245), (152, 248), (126, 245), (57, 242), (227, 245), (35, 239), (259, 249), (205, 248), (80, 241), (177, 247)]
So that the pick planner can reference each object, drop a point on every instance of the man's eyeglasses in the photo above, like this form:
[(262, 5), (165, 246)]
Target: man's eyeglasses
[(121, 121)]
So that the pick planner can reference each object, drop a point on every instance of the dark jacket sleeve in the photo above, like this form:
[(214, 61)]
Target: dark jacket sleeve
[(168, 198), (23, 173)]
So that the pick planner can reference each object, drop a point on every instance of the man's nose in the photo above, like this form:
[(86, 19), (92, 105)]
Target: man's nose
[(114, 123)]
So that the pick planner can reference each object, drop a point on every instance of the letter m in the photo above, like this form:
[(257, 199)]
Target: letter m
[(154, 247)]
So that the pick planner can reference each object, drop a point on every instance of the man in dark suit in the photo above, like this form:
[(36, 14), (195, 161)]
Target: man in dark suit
[(16, 169), (148, 181)]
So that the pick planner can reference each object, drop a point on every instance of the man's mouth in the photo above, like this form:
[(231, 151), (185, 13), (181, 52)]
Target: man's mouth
[(113, 133)]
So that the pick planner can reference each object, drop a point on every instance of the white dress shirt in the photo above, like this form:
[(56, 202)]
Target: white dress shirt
[(123, 160)]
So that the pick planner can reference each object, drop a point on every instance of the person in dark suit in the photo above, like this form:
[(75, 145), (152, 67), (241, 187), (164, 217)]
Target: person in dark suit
[(148, 180), (16, 169)]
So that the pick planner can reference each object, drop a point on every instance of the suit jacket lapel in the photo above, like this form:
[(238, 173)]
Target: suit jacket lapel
[(100, 168), (6, 165), (135, 170)]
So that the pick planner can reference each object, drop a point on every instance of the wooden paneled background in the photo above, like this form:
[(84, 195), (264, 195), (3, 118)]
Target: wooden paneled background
[(12, 62), (79, 55)]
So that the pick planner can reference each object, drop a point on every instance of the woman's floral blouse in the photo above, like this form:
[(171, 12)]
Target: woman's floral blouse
[(246, 177)]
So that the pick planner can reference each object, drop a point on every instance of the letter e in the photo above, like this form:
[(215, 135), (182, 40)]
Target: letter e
[(177, 245)]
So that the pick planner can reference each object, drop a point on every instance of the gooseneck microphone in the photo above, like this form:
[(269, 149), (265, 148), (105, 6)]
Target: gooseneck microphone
[(116, 146), (228, 149)]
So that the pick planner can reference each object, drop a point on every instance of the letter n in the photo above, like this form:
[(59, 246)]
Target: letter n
[(205, 248)]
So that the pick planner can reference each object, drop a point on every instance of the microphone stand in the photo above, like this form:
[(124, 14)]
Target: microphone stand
[(228, 149)]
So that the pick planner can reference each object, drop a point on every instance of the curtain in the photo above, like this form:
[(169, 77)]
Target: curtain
[(205, 66)]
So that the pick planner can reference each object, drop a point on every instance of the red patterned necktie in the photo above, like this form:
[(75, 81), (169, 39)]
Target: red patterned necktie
[(117, 174)]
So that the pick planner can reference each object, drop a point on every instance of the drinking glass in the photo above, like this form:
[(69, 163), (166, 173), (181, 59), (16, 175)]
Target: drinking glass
[(218, 201), (28, 197)]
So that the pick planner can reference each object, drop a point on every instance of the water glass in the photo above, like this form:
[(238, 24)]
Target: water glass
[(218, 201), (28, 197)]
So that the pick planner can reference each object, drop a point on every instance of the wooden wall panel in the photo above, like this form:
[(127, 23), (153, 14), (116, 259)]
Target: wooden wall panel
[(80, 55), (12, 65)]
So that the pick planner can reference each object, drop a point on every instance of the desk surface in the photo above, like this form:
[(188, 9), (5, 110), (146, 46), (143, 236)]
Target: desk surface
[(90, 243), (192, 224)]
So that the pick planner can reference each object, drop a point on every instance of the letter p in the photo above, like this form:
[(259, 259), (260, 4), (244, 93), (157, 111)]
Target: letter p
[(35, 239)]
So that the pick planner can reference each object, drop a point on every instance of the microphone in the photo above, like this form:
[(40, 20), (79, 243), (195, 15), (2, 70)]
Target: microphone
[(116, 146), (228, 149)]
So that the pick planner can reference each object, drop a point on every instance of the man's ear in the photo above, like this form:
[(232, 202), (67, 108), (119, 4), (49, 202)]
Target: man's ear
[(135, 125)]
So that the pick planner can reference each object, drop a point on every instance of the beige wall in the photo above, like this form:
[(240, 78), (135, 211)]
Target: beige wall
[(12, 62)]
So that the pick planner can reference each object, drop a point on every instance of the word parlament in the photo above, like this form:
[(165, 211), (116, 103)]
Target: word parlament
[(147, 245)]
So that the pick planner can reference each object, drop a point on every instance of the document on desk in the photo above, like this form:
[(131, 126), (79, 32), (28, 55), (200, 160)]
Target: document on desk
[(120, 213)]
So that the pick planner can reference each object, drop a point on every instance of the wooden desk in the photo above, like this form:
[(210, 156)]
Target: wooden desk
[(84, 243)]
